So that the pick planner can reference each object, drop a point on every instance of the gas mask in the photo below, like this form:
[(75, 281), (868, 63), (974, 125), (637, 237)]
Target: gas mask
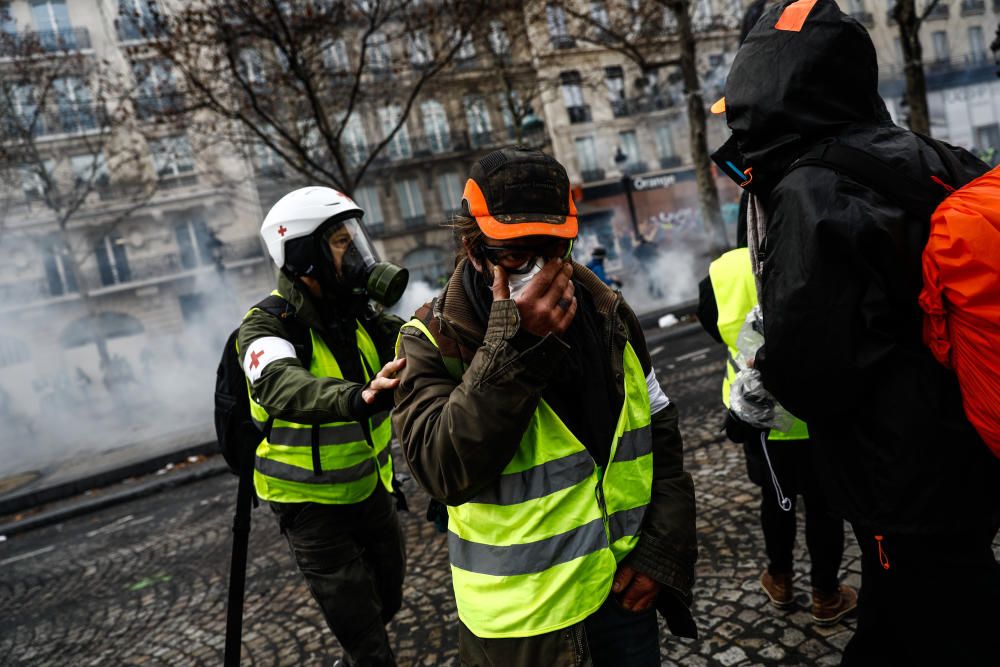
[(341, 257)]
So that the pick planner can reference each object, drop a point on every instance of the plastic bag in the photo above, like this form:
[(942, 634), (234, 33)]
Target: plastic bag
[(748, 399)]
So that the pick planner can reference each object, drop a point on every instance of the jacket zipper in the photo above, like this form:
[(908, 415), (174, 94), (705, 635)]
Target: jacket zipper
[(578, 641)]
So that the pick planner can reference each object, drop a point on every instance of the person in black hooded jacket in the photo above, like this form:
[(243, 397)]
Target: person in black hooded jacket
[(839, 268)]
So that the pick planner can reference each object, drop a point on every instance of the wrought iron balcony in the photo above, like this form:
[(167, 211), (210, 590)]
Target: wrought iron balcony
[(940, 11), (563, 42), (670, 161), (591, 175), (47, 41), (973, 7), (163, 104), (637, 167), (133, 29)]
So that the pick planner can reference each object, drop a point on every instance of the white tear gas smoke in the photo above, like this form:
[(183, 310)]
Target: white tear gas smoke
[(668, 279), (61, 410)]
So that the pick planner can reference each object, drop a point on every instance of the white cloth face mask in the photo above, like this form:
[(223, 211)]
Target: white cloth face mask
[(517, 282)]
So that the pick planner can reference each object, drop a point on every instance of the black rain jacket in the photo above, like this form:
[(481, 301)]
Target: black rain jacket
[(841, 275)]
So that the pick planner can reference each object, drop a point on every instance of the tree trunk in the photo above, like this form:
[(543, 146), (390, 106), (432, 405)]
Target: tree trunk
[(708, 193), (913, 66)]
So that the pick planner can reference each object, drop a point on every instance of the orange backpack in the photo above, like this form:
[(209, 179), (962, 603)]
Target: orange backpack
[(961, 297), (961, 267)]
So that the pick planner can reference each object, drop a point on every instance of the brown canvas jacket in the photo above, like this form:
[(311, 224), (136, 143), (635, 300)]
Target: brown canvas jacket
[(458, 436)]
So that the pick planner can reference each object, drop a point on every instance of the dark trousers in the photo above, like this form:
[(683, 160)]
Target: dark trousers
[(353, 559), (610, 637), (937, 603), (794, 464)]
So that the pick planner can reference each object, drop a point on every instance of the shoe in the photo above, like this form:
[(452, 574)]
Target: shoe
[(829, 608), (778, 588)]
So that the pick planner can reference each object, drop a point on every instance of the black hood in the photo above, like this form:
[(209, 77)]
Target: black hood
[(788, 88)]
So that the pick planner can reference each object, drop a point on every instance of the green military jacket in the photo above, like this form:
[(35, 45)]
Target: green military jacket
[(459, 436), (289, 391)]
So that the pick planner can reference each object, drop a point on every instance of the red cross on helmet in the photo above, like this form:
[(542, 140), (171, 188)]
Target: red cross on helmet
[(300, 213)]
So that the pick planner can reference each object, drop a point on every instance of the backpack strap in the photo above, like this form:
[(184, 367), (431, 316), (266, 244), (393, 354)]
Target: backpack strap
[(456, 358), (868, 170)]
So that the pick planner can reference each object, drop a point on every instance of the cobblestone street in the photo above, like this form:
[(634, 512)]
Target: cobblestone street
[(145, 583)]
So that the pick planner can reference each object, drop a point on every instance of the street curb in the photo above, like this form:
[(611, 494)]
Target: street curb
[(18, 502), (161, 483)]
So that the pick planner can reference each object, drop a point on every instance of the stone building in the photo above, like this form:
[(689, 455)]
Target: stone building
[(165, 246)]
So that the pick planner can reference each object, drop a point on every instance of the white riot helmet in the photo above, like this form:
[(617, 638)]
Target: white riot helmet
[(317, 232), (300, 213)]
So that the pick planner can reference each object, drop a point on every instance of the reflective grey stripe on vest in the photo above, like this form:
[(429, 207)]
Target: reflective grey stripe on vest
[(302, 437), (539, 481), (634, 444), (383, 457), (291, 473), (732, 362), (378, 418), (526, 558), (626, 522)]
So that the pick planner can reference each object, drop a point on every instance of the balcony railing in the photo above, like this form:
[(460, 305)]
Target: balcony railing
[(579, 114), (62, 119), (563, 42), (647, 103), (174, 181), (591, 175), (154, 106), (48, 41), (670, 161), (637, 167), (133, 29), (973, 7), (940, 11), (415, 221)]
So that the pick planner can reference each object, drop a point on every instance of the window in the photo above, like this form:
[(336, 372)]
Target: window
[(335, 56), (599, 14), (555, 17), (32, 183), (586, 156), (7, 23), (250, 67), (112, 262), (940, 40), (90, 171), (399, 146), (665, 147), (25, 110), (411, 202), (136, 19), (977, 47), (573, 97), (498, 39), (367, 198), (614, 78), (195, 242), (629, 145), (51, 19), (449, 187), (436, 128), (856, 6), (267, 160), (509, 103), (420, 49), (467, 50), (172, 156), (57, 268), (354, 143), (378, 52), (76, 105), (157, 90), (478, 120)]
